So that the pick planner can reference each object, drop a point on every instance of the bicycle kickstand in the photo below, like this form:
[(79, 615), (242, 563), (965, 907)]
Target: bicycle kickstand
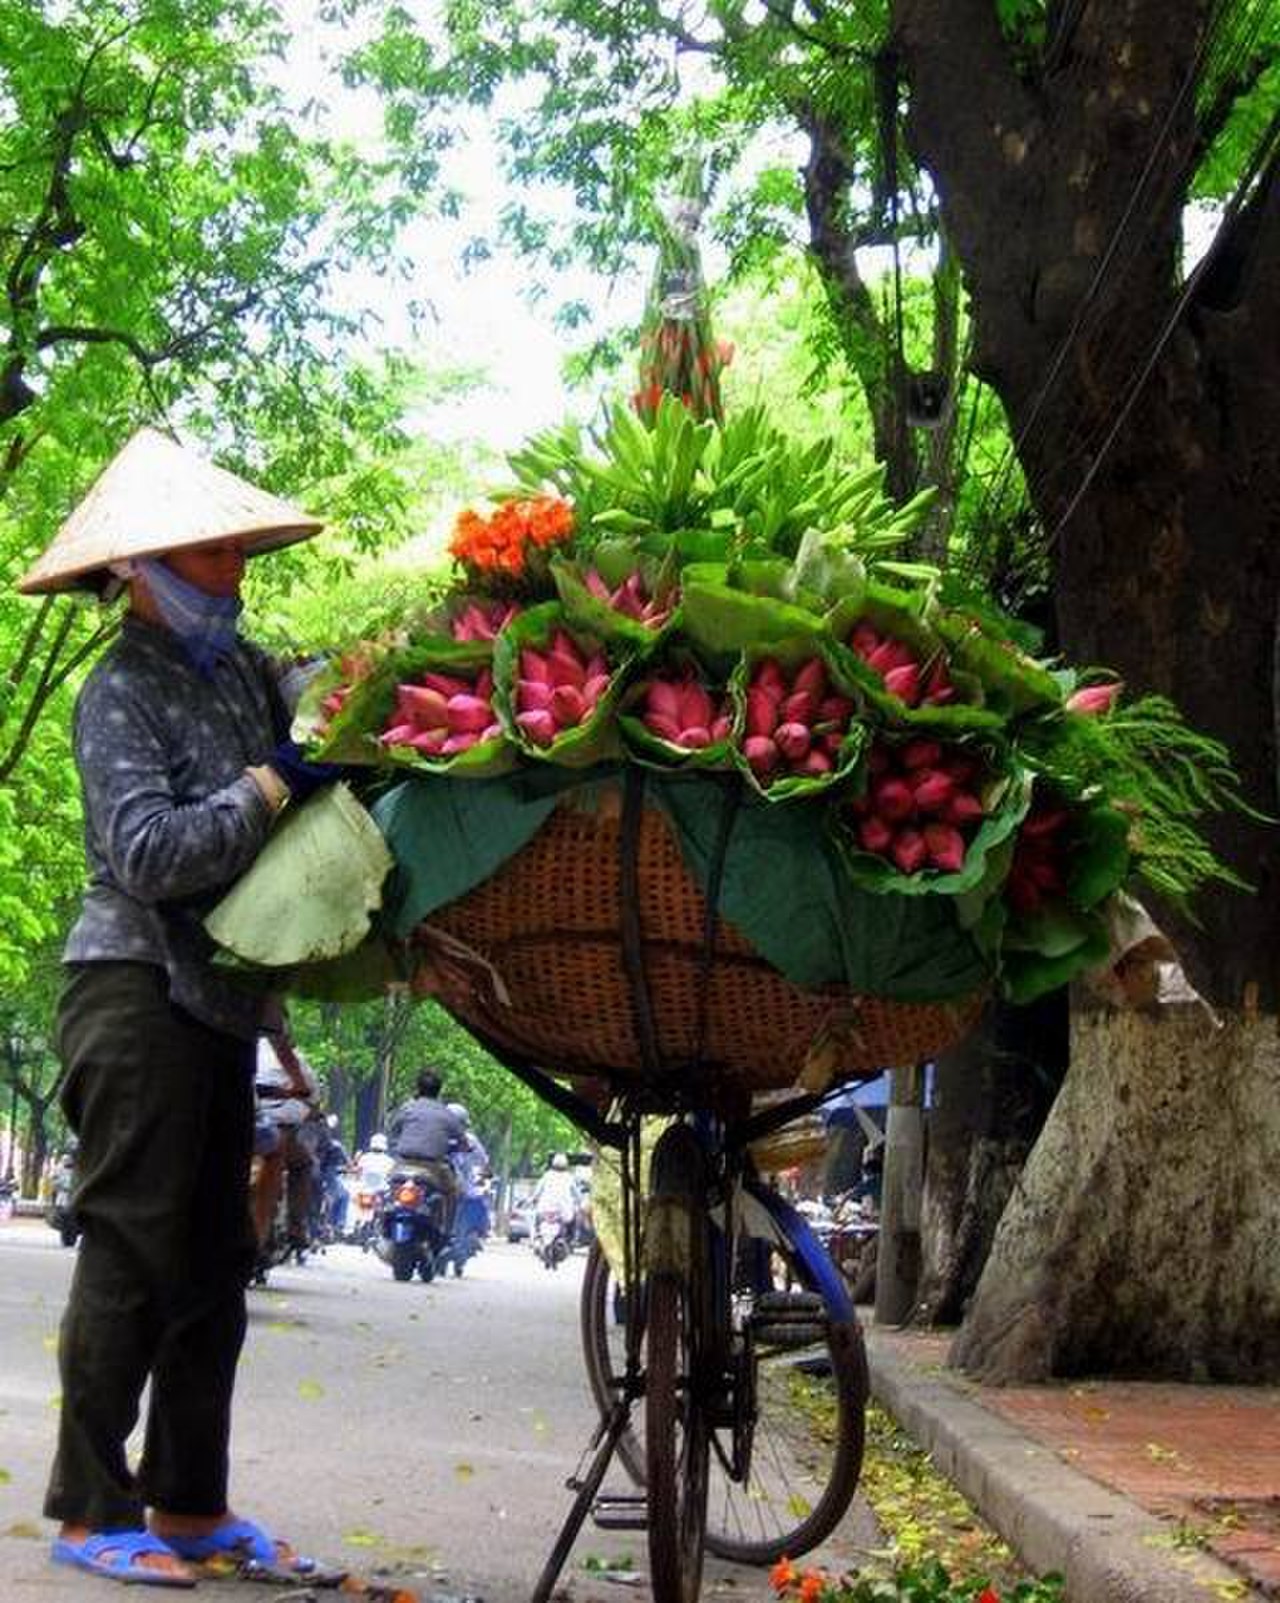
[(605, 1440)]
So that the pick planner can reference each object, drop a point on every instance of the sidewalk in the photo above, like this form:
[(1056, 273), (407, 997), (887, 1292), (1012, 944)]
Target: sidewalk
[(1135, 1492)]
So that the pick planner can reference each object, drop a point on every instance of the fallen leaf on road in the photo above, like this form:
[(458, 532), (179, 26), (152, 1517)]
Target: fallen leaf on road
[(359, 1537), (24, 1531), (464, 1472), (5, 1477), (310, 1390)]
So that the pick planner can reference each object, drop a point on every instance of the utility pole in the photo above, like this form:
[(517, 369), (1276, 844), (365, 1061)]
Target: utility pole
[(898, 1252)]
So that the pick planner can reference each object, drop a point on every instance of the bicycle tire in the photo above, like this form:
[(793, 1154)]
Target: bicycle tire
[(677, 1442), (805, 1506)]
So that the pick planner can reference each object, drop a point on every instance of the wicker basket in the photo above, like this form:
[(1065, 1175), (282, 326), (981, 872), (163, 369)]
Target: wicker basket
[(545, 980)]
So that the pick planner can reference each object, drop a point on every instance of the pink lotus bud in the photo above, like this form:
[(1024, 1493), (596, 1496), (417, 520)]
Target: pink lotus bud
[(446, 683), (721, 728), (761, 754), (596, 585), (891, 654), (596, 664), (864, 639), (815, 761), (567, 706), (566, 669), (539, 726), (878, 760), (419, 705), (1045, 875), (399, 735), (663, 697), (832, 741), (945, 847), (533, 666), (812, 676), (938, 688), (909, 850), (459, 743), (835, 710), (800, 707), (793, 741), (874, 834), (594, 688), (468, 714), (662, 725), (332, 703), (1041, 821), (1022, 893), (961, 769), (932, 790), (695, 705), (963, 808), (1094, 699), (431, 742), (904, 683), (695, 737), (893, 800), (563, 643), (770, 678), (920, 754), (532, 695), (493, 732), (484, 683), (762, 711)]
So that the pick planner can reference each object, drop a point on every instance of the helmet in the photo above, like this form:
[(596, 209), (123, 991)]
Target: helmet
[(559, 1161), (460, 1113), (378, 1143), (332, 1121)]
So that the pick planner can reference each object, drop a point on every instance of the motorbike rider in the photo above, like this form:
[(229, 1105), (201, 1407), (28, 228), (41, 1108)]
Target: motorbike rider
[(286, 1090), (374, 1165), (424, 1132), (557, 1192), (334, 1164), (471, 1163)]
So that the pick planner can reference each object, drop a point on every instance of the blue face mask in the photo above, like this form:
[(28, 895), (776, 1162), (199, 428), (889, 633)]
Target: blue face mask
[(205, 624)]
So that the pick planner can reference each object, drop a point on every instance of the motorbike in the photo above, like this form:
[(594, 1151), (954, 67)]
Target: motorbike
[(363, 1216), (552, 1236), (412, 1222), (59, 1214)]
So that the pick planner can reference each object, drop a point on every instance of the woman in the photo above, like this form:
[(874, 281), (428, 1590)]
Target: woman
[(180, 743)]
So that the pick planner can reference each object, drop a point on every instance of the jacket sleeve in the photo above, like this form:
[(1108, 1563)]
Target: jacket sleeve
[(159, 849)]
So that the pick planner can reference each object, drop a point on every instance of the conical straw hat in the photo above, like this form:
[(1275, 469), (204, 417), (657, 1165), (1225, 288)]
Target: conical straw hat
[(156, 496)]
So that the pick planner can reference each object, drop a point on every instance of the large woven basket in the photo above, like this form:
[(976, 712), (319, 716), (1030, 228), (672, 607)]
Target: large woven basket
[(545, 979)]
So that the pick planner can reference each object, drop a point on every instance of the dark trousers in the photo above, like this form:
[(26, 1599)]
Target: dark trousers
[(163, 1107)]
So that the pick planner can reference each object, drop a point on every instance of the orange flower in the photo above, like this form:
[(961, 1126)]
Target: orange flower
[(782, 1575), (812, 1585), (988, 1594), (501, 543)]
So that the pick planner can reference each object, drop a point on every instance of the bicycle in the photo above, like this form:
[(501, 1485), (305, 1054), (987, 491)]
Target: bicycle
[(728, 1304)]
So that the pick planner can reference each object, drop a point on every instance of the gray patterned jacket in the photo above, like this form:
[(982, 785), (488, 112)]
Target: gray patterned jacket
[(171, 818)]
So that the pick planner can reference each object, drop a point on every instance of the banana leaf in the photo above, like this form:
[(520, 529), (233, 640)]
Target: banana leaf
[(1007, 797), (597, 738), (311, 892), (354, 735), (791, 654)]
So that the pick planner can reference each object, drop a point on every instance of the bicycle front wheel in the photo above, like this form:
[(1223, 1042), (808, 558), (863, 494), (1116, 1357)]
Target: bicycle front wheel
[(677, 1442), (808, 1396)]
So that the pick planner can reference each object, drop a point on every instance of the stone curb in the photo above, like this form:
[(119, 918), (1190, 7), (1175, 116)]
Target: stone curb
[(1055, 1518)]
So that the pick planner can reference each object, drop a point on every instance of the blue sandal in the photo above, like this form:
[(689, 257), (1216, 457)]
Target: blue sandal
[(114, 1554), (245, 1542)]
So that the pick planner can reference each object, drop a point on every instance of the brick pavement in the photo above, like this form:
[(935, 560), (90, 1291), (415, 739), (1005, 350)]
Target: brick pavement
[(1205, 1458)]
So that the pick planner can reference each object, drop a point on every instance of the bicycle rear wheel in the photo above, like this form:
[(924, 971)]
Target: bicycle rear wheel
[(808, 1375), (676, 1440)]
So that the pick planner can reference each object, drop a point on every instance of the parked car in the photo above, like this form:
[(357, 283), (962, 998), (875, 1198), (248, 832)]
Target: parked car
[(520, 1219)]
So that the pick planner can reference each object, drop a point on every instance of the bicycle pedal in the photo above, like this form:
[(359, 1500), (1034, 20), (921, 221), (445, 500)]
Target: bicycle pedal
[(790, 1333), (789, 1303), (621, 1512)]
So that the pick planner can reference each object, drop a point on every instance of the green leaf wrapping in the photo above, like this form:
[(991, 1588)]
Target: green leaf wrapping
[(723, 619), (311, 891), (907, 616), (650, 748), (592, 741), (1007, 798), (791, 654), (1014, 683), (588, 611), (353, 737)]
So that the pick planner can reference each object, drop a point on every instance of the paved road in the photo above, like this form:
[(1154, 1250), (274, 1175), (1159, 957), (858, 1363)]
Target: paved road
[(424, 1430)]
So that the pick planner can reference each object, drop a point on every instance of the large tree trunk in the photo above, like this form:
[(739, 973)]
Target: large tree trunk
[(1146, 1227), (1138, 1238)]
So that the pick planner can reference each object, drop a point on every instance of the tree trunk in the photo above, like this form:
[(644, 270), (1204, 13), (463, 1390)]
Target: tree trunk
[(1138, 1238), (1147, 1223)]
